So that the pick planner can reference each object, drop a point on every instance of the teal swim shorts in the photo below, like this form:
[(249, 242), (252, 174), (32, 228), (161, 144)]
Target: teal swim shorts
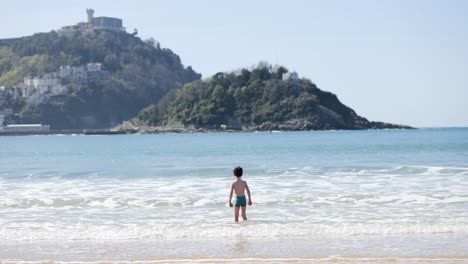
[(241, 201)]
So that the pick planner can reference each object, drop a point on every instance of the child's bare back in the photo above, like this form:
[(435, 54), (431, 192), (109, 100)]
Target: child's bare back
[(239, 187)]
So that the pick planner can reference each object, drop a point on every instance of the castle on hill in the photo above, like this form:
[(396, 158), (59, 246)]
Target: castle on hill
[(96, 23)]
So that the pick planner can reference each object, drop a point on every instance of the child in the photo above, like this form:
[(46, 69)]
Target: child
[(239, 187)]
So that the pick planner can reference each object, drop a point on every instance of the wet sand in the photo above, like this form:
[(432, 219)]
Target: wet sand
[(447, 249)]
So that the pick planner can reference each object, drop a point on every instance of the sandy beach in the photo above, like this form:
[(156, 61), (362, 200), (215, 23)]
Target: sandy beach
[(392, 249)]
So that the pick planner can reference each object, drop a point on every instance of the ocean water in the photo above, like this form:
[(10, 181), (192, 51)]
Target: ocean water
[(324, 196)]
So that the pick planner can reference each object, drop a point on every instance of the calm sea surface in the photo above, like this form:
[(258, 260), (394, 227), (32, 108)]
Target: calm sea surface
[(320, 196)]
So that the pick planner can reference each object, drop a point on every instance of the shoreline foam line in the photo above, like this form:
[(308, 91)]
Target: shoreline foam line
[(250, 260)]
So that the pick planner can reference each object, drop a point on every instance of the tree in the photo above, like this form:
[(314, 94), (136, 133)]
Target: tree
[(111, 63)]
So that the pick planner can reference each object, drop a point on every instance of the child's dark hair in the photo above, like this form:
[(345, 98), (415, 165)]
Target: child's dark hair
[(238, 171)]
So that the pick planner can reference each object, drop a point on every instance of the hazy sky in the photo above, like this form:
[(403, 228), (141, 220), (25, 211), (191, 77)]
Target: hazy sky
[(399, 61)]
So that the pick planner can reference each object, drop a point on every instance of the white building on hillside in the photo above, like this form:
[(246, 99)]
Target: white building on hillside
[(43, 89), (72, 73), (20, 90), (94, 67), (26, 90), (291, 76), (47, 80), (59, 89)]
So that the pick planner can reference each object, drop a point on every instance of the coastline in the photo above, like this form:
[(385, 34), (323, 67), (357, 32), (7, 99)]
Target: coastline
[(131, 128), (170, 130), (145, 129)]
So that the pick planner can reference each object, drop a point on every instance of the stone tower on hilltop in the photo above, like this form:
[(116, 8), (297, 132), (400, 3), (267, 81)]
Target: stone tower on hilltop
[(104, 23), (96, 23), (90, 13)]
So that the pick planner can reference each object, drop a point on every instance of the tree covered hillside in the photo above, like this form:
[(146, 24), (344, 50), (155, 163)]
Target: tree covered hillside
[(265, 98), (135, 74)]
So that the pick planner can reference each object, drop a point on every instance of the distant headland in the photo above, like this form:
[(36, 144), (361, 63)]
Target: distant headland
[(262, 98), (92, 75), (95, 75)]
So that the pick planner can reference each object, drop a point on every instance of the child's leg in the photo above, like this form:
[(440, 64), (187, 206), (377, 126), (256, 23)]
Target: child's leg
[(244, 216), (236, 213)]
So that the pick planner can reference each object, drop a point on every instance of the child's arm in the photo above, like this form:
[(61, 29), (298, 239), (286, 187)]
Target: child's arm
[(230, 196), (248, 193)]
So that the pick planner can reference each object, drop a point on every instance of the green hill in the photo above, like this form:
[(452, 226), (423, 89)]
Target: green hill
[(263, 98), (135, 74)]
